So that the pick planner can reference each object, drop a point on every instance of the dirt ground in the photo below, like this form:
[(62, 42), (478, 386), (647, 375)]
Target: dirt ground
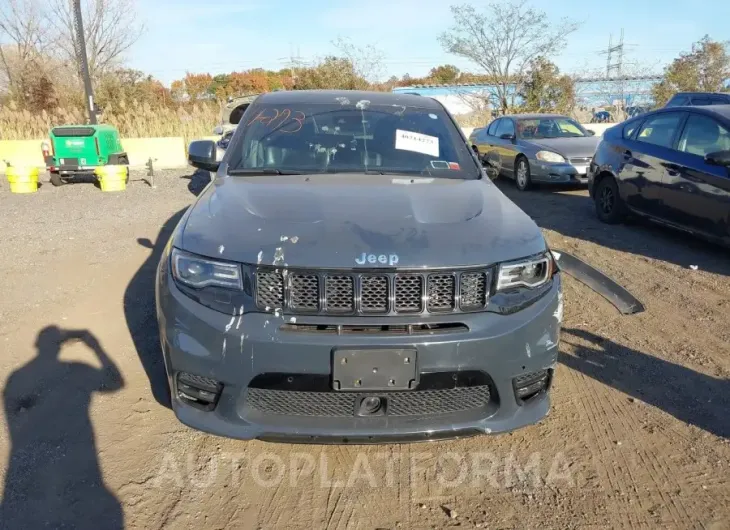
[(638, 435)]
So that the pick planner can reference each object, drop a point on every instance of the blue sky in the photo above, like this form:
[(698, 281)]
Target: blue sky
[(227, 35)]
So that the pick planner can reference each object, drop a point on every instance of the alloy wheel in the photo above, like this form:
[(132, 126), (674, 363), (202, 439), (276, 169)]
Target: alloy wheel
[(607, 200), (522, 173)]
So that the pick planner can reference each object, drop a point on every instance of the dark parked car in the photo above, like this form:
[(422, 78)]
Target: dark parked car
[(670, 165), (695, 99), (634, 111), (537, 148), (351, 275), (602, 116)]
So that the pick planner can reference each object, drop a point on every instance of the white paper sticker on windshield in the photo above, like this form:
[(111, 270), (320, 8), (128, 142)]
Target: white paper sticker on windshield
[(416, 142)]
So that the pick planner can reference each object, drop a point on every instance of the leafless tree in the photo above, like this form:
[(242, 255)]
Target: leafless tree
[(24, 37), (366, 60), (111, 27), (503, 40)]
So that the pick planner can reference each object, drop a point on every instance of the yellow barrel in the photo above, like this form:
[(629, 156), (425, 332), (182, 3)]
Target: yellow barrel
[(22, 179), (112, 178)]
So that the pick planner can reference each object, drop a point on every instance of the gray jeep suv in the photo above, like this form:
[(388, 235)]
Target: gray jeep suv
[(351, 275)]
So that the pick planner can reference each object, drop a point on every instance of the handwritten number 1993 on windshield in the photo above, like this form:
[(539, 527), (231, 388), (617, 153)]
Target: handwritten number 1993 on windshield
[(295, 120)]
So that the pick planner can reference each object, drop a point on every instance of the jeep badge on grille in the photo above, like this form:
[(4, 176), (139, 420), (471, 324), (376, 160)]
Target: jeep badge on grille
[(390, 259)]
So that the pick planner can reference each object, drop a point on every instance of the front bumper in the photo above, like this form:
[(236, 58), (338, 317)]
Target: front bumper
[(237, 350), (558, 173)]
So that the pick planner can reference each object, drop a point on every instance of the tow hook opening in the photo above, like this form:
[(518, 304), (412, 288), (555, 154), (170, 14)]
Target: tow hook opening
[(372, 406)]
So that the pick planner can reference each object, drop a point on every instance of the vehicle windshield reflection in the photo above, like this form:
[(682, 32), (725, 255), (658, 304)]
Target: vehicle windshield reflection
[(344, 138), (542, 128)]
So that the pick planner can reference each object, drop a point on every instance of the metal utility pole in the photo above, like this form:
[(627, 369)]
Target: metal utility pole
[(619, 49), (81, 56)]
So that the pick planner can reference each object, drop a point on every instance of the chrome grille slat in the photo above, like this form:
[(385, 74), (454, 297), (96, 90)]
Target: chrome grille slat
[(304, 292), (270, 289), (374, 293), (340, 293), (441, 292), (371, 293), (408, 293), (473, 290)]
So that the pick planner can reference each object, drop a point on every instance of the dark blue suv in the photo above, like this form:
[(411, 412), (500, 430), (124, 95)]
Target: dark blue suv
[(671, 165)]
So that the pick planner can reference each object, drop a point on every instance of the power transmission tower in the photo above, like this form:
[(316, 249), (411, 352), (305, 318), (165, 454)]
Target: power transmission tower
[(293, 64), (618, 50)]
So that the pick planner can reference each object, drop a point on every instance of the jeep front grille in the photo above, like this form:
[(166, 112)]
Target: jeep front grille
[(348, 292)]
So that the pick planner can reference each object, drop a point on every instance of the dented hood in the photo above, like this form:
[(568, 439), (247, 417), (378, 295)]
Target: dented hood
[(339, 220)]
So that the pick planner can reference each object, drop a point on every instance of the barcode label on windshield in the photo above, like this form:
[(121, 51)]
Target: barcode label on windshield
[(416, 142)]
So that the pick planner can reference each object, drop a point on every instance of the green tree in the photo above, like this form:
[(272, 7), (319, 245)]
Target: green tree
[(704, 69), (332, 72), (444, 74), (545, 89)]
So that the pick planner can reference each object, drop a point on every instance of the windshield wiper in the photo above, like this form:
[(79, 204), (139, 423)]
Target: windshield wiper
[(252, 172), (363, 171)]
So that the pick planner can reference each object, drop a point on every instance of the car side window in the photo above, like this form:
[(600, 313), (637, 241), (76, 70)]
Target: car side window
[(506, 127), (699, 101), (660, 129), (630, 127), (492, 130), (703, 135)]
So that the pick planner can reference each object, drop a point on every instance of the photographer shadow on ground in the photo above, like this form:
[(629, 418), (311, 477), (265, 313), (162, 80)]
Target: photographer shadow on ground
[(140, 313), (689, 396), (53, 478)]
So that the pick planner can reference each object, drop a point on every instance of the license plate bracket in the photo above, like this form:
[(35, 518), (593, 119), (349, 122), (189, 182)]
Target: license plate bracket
[(374, 369)]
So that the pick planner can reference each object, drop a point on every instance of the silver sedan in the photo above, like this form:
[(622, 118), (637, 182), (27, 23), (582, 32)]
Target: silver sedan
[(536, 148)]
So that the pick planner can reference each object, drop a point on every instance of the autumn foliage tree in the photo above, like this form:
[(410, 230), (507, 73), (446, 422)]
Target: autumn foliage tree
[(332, 72), (545, 89), (706, 68), (444, 74)]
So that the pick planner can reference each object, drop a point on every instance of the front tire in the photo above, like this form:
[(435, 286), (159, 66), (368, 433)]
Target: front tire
[(56, 179), (610, 208), (522, 174)]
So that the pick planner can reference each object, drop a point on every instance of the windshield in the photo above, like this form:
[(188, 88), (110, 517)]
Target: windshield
[(549, 128), (345, 137)]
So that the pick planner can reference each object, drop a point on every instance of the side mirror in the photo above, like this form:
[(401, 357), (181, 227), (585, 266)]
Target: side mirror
[(510, 137), (718, 158), (475, 149), (590, 132), (218, 130), (201, 154)]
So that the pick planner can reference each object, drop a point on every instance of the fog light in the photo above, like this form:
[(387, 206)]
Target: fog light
[(529, 385), (198, 391)]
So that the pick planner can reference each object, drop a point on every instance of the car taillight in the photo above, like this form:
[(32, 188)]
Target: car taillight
[(47, 148)]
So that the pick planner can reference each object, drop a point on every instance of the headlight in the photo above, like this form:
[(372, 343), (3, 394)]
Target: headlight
[(549, 156), (530, 272), (198, 272)]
